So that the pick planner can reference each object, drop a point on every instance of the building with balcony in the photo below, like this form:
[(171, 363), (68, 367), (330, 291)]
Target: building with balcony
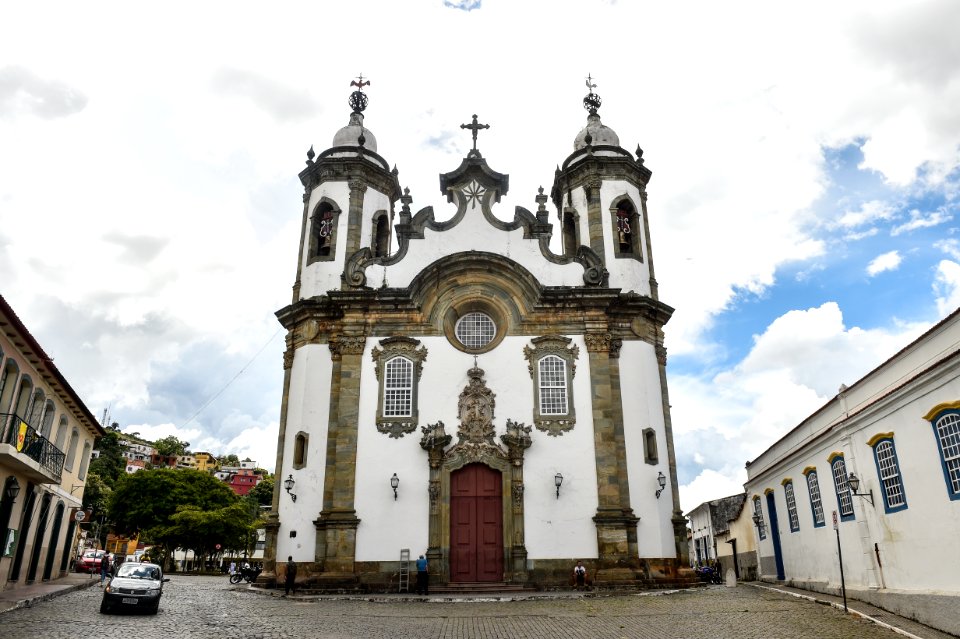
[(46, 438), (205, 461)]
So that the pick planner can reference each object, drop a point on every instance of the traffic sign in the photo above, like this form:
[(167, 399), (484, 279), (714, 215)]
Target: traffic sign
[(217, 546), (79, 515), (835, 525)]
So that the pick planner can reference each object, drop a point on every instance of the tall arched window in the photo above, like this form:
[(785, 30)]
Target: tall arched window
[(552, 367), (34, 414), (816, 504), (47, 422), (323, 231), (844, 499), (626, 229), (84, 461), (8, 382), (398, 366), (888, 469), (758, 510), (946, 428), (791, 499), (62, 432), (72, 451), (23, 397), (380, 242), (571, 235)]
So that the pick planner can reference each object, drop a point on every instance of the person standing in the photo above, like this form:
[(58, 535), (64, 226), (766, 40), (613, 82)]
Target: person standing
[(423, 576), (291, 576)]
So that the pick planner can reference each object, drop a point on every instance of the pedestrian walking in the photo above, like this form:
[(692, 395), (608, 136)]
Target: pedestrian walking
[(291, 577), (104, 567), (423, 576), (233, 568)]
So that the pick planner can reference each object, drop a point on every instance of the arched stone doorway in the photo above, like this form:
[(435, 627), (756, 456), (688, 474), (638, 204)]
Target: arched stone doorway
[(477, 473)]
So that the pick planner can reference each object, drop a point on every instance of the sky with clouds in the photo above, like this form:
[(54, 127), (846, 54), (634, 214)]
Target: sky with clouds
[(803, 206)]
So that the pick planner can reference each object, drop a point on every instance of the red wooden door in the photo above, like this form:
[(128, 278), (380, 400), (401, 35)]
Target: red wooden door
[(476, 524)]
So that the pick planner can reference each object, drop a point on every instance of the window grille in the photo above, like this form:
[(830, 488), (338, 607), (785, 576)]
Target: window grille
[(475, 330), (816, 504), (948, 435), (791, 506), (844, 500), (398, 388), (553, 386), (889, 472), (758, 509)]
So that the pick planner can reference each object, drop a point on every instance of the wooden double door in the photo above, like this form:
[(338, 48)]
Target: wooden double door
[(476, 524)]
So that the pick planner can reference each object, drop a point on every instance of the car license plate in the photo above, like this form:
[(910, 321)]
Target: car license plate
[(129, 600)]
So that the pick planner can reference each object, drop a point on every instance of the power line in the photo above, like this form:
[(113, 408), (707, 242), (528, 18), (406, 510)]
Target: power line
[(232, 380)]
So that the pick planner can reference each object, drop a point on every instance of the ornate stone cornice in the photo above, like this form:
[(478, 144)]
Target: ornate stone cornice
[(661, 352), (598, 342), (341, 345), (357, 186), (403, 346), (552, 345)]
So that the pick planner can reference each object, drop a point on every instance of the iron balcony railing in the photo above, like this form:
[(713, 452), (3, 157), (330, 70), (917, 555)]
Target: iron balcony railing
[(22, 436)]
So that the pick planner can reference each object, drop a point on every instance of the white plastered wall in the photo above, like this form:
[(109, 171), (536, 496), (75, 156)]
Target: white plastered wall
[(554, 527), (308, 410)]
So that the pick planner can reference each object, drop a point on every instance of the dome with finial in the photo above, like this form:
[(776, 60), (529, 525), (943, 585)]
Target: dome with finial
[(595, 133), (355, 134)]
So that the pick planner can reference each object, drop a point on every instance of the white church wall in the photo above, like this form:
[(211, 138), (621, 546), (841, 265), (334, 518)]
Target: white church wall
[(474, 232), (562, 527), (308, 410), (642, 399)]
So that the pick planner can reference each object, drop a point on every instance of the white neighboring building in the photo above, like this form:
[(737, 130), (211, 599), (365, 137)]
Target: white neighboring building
[(898, 431), (516, 395)]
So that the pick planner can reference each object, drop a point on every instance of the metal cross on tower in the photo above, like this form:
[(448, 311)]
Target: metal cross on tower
[(474, 127)]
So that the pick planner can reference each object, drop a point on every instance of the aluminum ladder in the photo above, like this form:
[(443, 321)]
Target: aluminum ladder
[(404, 582)]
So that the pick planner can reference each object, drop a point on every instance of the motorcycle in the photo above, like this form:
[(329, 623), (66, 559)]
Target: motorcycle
[(249, 574)]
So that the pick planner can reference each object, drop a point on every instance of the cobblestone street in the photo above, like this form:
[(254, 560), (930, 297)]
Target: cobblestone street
[(209, 607)]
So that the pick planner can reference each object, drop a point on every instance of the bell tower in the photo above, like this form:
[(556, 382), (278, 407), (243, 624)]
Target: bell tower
[(348, 204), (600, 193)]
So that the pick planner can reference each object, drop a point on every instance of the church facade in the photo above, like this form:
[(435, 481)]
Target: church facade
[(464, 390)]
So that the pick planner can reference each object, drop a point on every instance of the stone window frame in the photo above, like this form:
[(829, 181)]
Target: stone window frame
[(390, 348), (561, 347), (888, 471), (790, 497), (650, 454), (301, 442), (838, 469), (570, 232), (758, 510), (635, 234), (816, 497), (474, 305), (325, 204)]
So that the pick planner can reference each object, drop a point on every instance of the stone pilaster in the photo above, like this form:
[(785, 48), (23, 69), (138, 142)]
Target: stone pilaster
[(304, 242), (677, 519), (595, 217), (337, 524), (273, 519), (616, 524), (646, 233), (355, 216)]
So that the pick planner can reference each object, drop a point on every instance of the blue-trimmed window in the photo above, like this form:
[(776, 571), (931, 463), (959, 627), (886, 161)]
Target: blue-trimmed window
[(791, 506), (758, 510), (946, 427), (891, 482), (844, 498), (816, 504)]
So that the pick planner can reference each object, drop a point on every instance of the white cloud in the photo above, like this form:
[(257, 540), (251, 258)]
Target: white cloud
[(24, 92), (949, 246), (946, 287), (920, 220), (889, 261), (710, 485), (868, 213)]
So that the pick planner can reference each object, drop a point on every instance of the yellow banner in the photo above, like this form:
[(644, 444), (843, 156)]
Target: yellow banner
[(21, 435)]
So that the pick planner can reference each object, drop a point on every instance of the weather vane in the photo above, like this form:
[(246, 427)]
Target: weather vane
[(590, 84), (592, 101), (474, 127), (359, 83)]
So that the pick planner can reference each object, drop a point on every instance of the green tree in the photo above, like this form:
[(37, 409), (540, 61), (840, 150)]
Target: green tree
[(110, 465), (145, 502), (262, 493), (171, 446), (96, 494), (229, 527)]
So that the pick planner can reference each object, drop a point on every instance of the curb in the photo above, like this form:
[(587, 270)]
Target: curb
[(30, 601), (838, 606)]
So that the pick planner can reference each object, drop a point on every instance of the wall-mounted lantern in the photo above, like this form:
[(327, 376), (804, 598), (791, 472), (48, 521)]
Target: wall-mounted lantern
[(557, 480), (854, 482), (12, 489), (662, 481), (289, 483), (756, 522), (394, 482)]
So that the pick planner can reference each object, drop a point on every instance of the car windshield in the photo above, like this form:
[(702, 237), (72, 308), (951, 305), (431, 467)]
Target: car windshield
[(138, 571), (93, 553)]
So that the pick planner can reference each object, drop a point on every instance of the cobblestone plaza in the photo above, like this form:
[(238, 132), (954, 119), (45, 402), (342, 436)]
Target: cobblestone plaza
[(209, 607)]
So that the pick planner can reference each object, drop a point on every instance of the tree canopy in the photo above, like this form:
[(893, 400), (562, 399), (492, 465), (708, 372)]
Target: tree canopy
[(170, 445), (110, 465)]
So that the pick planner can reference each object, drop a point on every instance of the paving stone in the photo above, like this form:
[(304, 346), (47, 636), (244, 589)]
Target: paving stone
[(209, 607)]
